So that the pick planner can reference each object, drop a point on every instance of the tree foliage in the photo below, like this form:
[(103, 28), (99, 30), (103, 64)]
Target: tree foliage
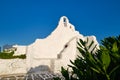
[(104, 64)]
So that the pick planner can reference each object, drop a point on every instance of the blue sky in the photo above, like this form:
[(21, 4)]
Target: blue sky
[(22, 21)]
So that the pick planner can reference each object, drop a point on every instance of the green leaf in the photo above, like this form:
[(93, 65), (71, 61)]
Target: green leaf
[(116, 56), (90, 45), (79, 45), (95, 70), (105, 57), (114, 69), (65, 73), (82, 42), (93, 49), (81, 51), (115, 48)]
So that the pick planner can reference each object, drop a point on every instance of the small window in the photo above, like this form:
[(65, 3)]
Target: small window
[(64, 20)]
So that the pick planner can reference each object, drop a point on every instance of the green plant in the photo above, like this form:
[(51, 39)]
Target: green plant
[(20, 56), (112, 46), (104, 64), (4, 55)]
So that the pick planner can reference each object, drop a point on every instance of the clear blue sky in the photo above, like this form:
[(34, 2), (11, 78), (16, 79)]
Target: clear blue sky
[(22, 21)]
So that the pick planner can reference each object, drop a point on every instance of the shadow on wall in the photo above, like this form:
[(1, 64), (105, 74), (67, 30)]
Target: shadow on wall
[(40, 68), (42, 72)]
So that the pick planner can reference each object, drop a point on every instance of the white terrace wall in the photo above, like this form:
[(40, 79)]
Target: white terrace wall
[(19, 50), (12, 66)]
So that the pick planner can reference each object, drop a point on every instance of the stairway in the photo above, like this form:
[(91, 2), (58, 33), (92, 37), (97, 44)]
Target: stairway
[(32, 76)]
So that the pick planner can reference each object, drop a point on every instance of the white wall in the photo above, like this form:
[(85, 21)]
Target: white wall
[(12, 66), (20, 50), (49, 53), (49, 48)]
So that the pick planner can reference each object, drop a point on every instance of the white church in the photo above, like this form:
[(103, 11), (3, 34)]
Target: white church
[(52, 52)]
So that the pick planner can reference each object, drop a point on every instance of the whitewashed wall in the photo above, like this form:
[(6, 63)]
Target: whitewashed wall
[(12, 66), (45, 51), (20, 50), (47, 54)]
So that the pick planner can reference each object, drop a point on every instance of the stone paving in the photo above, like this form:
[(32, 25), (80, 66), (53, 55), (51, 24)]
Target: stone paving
[(33, 76)]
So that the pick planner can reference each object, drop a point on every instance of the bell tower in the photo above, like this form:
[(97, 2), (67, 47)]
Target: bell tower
[(64, 21)]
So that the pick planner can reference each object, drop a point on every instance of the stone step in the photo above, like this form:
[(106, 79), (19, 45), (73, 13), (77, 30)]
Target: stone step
[(32, 76)]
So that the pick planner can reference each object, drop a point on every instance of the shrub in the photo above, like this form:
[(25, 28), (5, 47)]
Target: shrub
[(104, 64), (4, 55)]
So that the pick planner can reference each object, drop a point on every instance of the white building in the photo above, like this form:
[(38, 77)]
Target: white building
[(57, 49), (51, 53), (19, 50)]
